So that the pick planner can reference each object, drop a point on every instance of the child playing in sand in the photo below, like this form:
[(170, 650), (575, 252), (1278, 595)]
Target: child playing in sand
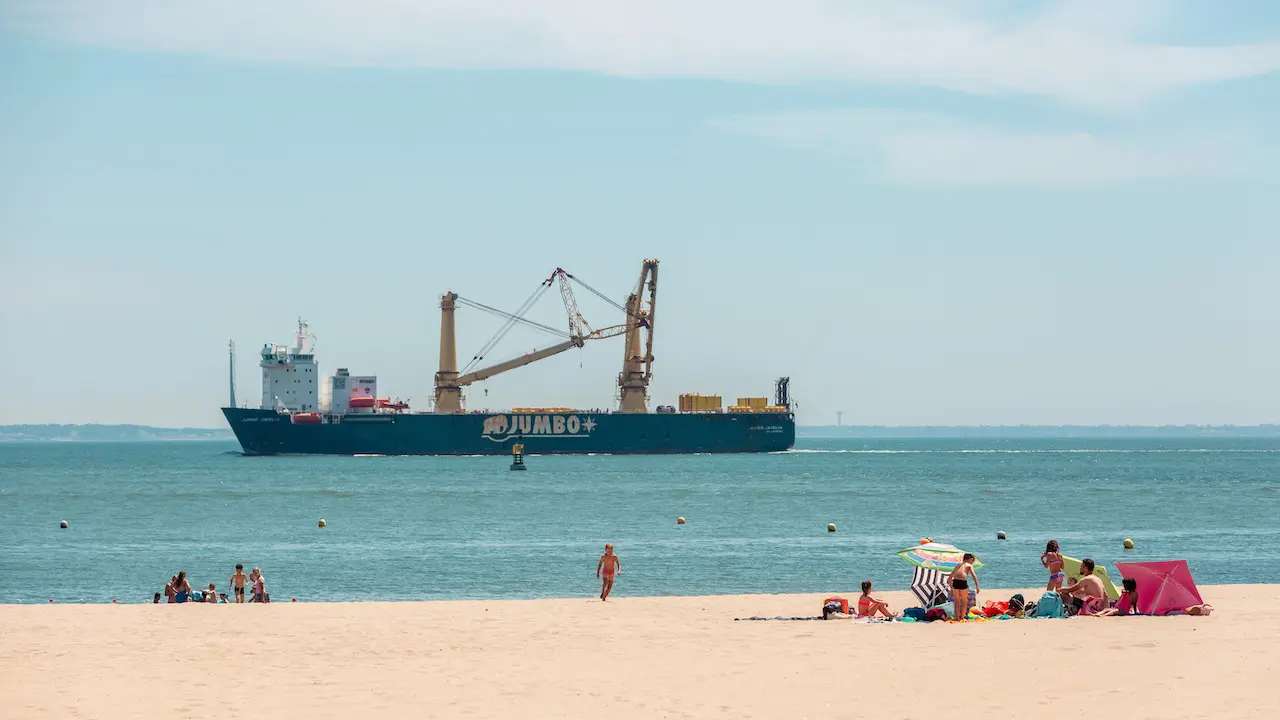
[(960, 584), (1052, 560), (609, 565), (237, 583), (869, 606), (211, 595)]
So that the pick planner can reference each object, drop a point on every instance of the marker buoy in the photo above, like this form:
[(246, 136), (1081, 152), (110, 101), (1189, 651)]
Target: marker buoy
[(322, 523), (64, 525), (1000, 535), (1128, 543), (680, 521), (831, 527)]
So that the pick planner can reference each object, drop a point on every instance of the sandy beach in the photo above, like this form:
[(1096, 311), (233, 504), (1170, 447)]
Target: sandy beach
[(680, 657)]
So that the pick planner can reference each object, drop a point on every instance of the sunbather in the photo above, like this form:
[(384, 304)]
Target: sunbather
[(869, 606)]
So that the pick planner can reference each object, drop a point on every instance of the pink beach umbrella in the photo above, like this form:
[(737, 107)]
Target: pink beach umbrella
[(1162, 586)]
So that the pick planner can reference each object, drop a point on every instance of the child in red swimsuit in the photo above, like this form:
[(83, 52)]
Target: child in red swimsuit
[(606, 569)]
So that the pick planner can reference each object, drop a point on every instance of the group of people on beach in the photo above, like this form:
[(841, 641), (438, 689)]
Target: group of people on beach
[(1086, 594), (178, 589)]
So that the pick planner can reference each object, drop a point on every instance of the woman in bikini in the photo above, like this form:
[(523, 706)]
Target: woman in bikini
[(869, 606), (960, 584), (1052, 560)]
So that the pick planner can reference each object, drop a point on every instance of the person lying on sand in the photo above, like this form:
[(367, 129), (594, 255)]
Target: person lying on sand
[(869, 606), (1088, 589)]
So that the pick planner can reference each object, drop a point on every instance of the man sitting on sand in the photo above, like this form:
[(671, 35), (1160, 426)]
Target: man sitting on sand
[(1088, 590)]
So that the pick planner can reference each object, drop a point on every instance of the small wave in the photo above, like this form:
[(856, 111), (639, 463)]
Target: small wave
[(989, 491), (334, 493), (368, 455), (1267, 488)]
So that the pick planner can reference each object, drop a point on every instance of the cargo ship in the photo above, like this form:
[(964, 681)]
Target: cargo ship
[(344, 414)]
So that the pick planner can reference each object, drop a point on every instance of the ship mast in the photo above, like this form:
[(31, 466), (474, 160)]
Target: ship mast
[(637, 368), (448, 392), (231, 371)]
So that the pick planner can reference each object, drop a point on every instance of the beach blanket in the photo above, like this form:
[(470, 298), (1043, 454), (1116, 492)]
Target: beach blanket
[(862, 620)]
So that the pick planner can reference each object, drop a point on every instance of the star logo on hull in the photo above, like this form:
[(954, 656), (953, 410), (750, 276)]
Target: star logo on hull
[(589, 424)]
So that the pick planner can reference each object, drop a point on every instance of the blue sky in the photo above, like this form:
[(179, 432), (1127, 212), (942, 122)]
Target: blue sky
[(923, 212)]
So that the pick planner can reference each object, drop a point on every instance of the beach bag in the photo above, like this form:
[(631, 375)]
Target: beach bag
[(992, 609), (915, 613), (1016, 604), (935, 614), (1050, 605), (841, 603)]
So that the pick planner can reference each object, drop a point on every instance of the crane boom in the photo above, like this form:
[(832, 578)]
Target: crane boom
[(536, 355)]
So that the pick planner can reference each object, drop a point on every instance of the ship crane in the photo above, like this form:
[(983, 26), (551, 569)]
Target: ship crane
[(448, 381)]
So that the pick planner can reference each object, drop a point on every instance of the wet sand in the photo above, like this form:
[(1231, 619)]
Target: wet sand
[(630, 657)]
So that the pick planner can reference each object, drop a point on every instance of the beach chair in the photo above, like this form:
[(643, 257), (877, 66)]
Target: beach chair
[(930, 587)]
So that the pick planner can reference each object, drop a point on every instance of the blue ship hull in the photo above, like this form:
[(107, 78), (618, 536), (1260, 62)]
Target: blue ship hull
[(265, 432)]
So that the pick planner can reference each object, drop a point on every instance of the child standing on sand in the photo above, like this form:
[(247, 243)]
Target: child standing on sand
[(609, 565), (1052, 560), (237, 583), (960, 584)]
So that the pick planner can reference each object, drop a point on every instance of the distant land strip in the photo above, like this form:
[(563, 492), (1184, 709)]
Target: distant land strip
[(107, 433), (145, 433)]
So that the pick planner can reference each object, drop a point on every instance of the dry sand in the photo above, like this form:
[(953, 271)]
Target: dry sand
[(630, 657)]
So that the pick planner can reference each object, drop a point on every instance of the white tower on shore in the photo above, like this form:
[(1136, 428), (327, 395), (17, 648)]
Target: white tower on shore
[(289, 378)]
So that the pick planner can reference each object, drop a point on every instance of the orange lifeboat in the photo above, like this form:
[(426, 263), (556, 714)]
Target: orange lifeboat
[(361, 402), (308, 418)]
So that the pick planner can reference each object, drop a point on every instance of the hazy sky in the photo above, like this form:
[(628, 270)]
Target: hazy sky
[(923, 212)]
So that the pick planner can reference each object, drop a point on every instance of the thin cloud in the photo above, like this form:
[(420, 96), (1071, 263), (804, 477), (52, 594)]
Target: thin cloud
[(1082, 52), (922, 149)]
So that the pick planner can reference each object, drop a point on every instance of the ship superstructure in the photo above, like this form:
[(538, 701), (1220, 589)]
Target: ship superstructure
[(343, 413)]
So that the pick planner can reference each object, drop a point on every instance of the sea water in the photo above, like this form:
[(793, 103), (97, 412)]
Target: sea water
[(413, 528)]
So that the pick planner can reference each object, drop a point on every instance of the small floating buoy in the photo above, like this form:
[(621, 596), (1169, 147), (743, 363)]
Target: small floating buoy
[(64, 525), (1000, 535), (322, 523), (926, 540), (1128, 543), (680, 521), (295, 600), (831, 527)]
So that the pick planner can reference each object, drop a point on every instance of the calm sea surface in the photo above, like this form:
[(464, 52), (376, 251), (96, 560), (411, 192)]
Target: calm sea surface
[(405, 528)]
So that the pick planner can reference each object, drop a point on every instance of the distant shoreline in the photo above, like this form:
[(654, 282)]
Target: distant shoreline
[(1015, 432), (107, 433), (146, 433)]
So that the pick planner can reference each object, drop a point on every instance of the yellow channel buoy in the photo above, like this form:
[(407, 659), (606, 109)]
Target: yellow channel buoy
[(322, 523), (1128, 543)]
